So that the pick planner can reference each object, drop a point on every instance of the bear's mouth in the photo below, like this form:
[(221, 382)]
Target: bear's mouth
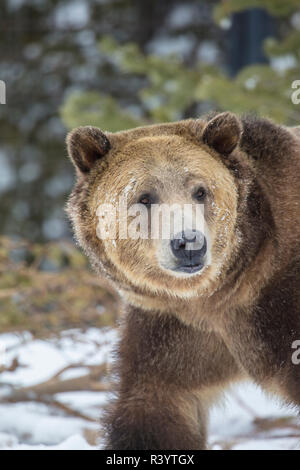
[(190, 268)]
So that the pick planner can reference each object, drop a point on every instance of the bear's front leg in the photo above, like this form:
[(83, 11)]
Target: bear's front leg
[(168, 375), (152, 416)]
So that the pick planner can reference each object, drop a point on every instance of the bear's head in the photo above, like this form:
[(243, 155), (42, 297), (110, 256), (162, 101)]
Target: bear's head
[(161, 209)]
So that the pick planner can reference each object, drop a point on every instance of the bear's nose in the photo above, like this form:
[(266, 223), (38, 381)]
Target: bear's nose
[(189, 246)]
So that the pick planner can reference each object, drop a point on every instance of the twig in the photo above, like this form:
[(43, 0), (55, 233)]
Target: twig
[(53, 386)]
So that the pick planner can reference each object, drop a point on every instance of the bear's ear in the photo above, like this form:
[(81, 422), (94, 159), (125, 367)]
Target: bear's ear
[(85, 146), (223, 133)]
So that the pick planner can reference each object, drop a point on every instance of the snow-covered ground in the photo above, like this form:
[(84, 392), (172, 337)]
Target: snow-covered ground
[(247, 419)]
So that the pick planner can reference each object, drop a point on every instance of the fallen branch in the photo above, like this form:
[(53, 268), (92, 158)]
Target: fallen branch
[(12, 367), (45, 392), (88, 382)]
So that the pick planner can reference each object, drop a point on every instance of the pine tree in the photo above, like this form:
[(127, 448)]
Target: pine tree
[(173, 90)]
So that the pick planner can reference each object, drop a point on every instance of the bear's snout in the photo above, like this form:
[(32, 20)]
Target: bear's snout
[(189, 247)]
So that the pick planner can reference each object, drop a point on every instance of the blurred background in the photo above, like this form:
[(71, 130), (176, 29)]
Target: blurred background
[(120, 63), (114, 64)]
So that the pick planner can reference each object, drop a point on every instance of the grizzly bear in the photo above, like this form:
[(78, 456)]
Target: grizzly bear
[(202, 309)]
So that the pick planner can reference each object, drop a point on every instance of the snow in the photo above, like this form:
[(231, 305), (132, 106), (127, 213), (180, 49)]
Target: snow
[(33, 424), (129, 187), (7, 175), (74, 14), (75, 442), (235, 422), (246, 419), (165, 45), (182, 16)]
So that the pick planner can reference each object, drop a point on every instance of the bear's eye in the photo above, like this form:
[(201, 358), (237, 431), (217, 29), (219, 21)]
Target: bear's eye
[(146, 200), (200, 194)]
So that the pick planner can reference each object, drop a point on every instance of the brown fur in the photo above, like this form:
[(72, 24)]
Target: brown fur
[(183, 340)]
